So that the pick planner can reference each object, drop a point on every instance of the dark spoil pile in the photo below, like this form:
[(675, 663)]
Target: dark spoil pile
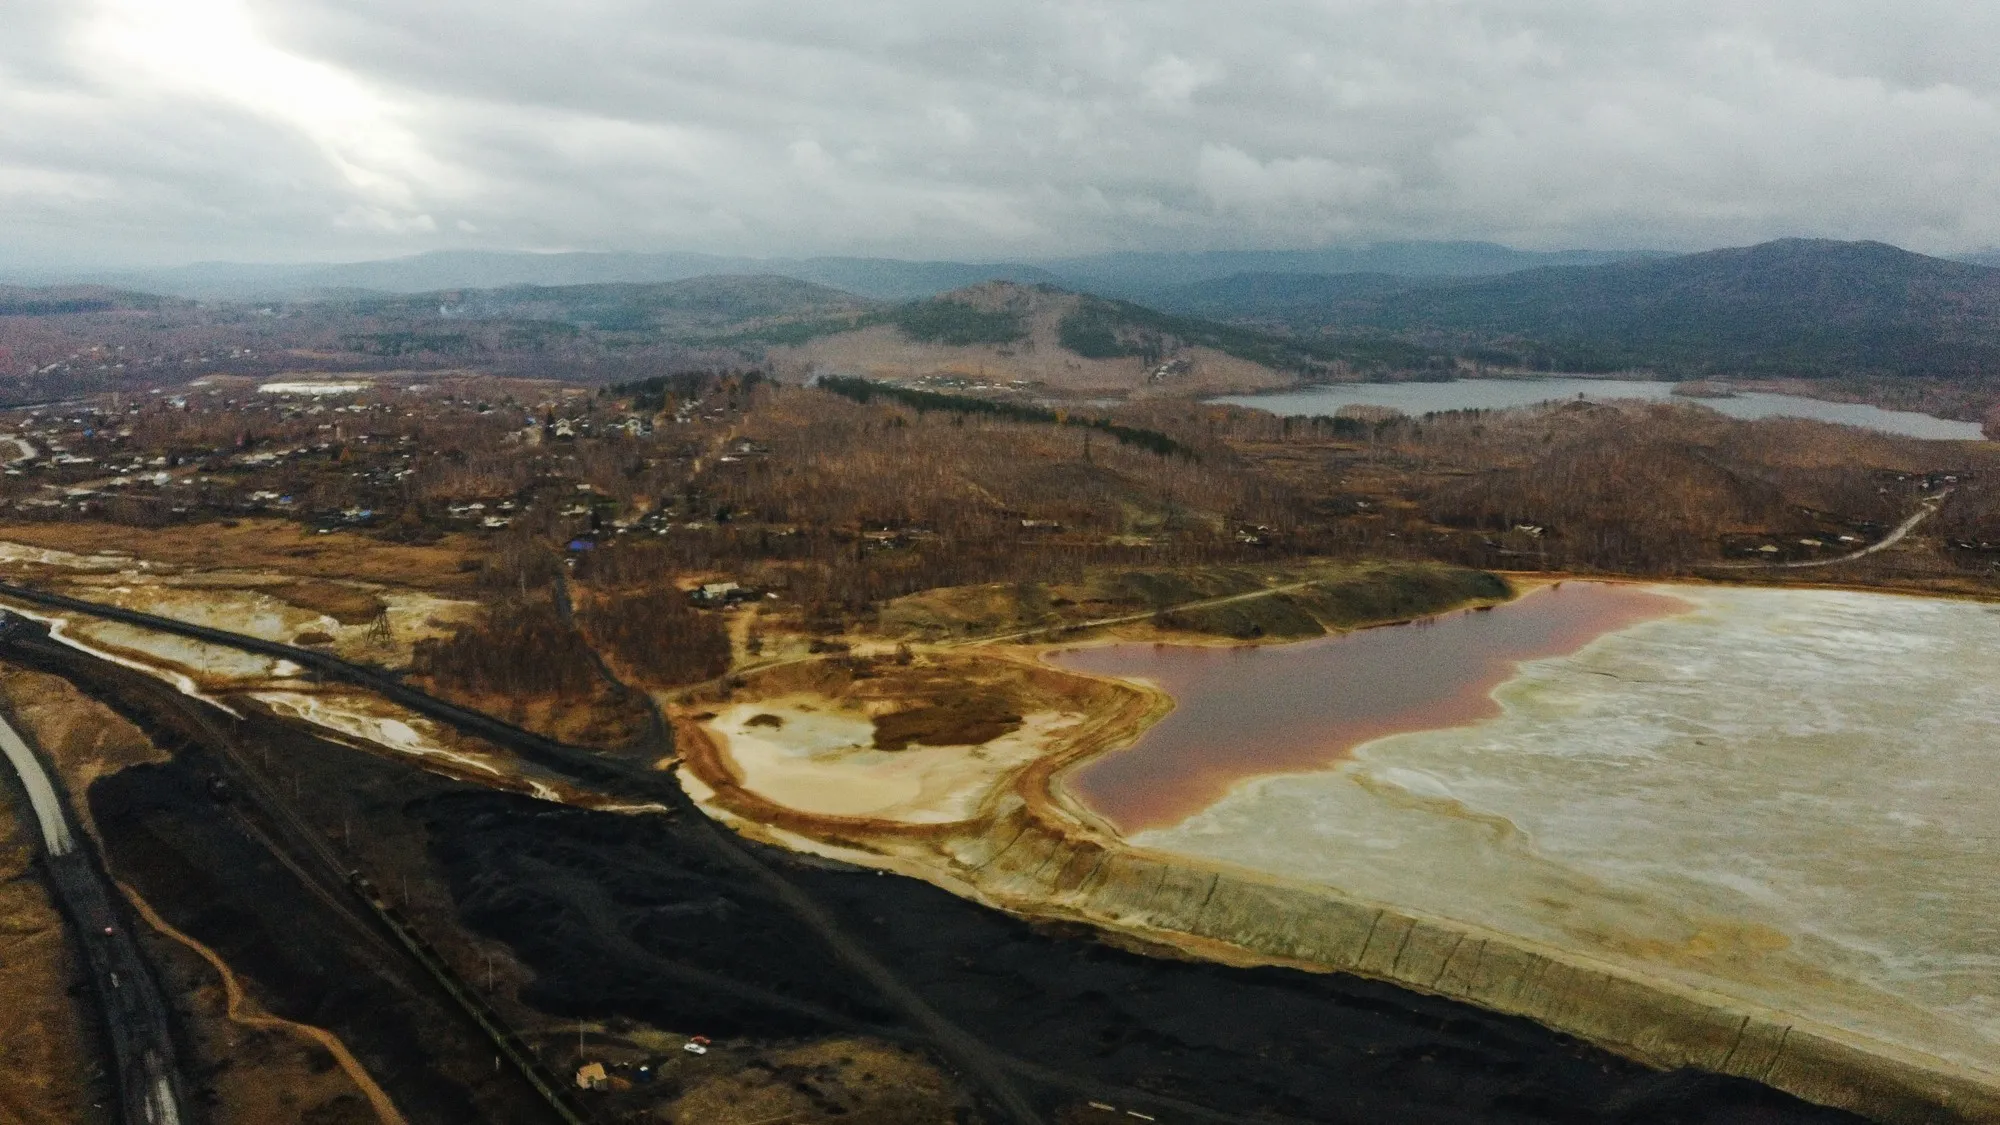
[(617, 915)]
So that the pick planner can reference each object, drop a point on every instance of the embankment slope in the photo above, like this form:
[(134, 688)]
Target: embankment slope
[(1033, 852)]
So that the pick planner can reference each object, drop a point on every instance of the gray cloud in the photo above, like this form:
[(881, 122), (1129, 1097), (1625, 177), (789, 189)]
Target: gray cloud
[(136, 131)]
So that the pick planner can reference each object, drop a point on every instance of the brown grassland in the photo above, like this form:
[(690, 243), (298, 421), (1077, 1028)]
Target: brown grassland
[(855, 523)]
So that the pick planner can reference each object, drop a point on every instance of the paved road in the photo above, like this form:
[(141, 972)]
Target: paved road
[(42, 798), (135, 1016)]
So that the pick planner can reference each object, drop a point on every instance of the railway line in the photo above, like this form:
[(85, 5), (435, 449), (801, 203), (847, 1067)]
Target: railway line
[(985, 1067)]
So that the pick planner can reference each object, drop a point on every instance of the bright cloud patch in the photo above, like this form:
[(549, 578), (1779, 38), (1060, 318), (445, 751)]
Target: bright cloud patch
[(137, 130)]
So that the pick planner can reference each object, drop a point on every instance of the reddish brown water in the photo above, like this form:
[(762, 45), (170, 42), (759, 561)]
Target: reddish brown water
[(1251, 711)]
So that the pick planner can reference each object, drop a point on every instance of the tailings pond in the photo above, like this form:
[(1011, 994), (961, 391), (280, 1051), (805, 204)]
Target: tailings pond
[(1502, 394), (1782, 796), (1246, 711)]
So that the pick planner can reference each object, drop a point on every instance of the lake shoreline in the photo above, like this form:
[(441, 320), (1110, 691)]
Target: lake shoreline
[(1747, 400), (1036, 851), (1463, 655)]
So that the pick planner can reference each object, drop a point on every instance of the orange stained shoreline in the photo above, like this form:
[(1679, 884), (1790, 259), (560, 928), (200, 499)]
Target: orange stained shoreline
[(1253, 711)]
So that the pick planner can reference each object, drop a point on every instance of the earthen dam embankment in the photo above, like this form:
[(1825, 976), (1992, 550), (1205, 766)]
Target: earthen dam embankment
[(1035, 851)]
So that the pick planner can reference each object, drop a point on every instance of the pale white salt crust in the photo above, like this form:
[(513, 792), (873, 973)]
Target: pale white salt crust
[(1784, 798), (824, 762), (361, 717)]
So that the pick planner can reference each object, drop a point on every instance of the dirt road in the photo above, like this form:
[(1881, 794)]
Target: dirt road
[(1924, 511), (1147, 615)]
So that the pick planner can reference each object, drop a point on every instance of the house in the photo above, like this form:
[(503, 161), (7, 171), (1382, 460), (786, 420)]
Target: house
[(591, 1076), (726, 594), (720, 593)]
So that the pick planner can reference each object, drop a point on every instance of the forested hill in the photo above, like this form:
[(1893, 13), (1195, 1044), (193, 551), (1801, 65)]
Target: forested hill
[(1791, 307), (1283, 298), (694, 309), (1006, 315), (19, 301)]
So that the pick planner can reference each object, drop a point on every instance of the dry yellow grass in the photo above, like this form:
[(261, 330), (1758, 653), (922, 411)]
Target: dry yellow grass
[(267, 545), (884, 352), (45, 1052), (869, 1081)]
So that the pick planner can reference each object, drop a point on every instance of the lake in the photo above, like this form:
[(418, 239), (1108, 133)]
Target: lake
[(1502, 394), (1244, 711), (1785, 797)]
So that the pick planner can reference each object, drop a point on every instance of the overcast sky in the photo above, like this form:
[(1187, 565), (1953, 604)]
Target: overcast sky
[(160, 131)]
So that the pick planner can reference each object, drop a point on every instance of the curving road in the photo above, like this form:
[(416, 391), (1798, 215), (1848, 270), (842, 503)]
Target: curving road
[(1143, 615), (1924, 511), (135, 1016), (42, 798)]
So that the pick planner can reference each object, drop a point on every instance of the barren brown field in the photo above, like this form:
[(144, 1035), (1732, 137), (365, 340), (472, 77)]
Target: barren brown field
[(82, 738), (47, 1050), (886, 353), (278, 546), (855, 1080)]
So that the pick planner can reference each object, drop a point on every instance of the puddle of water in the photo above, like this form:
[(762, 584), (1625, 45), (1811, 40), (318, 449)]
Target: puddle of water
[(1253, 711)]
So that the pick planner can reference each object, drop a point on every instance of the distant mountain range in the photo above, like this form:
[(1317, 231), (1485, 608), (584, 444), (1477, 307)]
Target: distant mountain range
[(1792, 307), (1284, 298), (1153, 277), (694, 309), (1133, 276)]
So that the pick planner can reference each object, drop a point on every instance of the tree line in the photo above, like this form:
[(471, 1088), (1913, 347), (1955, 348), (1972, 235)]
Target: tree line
[(922, 401)]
